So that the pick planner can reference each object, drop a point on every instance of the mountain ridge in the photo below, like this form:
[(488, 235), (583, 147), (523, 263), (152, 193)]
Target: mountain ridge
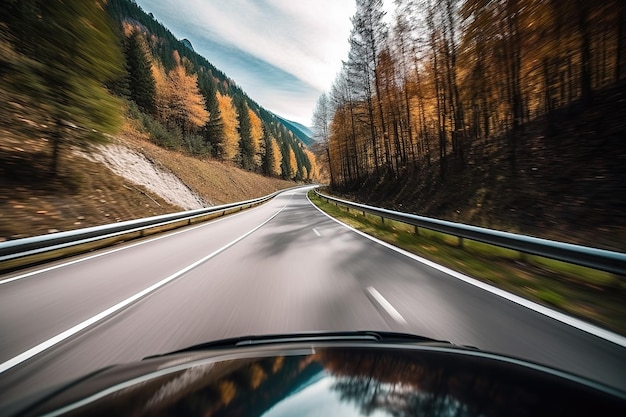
[(187, 43), (128, 10), (301, 131)]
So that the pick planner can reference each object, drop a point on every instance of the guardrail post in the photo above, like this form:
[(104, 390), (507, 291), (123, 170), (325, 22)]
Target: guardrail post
[(416, 230), (382, 219), (460, 242)]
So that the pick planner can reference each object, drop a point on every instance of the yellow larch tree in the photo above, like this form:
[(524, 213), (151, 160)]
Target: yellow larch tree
[(161, 84), (230, 146), (293, 163), (277, 157), (314, 172), (256, 133), (178, 99), (187, 108)]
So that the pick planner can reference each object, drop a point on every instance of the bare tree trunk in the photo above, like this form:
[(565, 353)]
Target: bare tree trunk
[(439, 93), (330, 168), (57, 139), (422, 114), (354, 141), (620, 59), (513, 57), (453, 88), (585, 52)]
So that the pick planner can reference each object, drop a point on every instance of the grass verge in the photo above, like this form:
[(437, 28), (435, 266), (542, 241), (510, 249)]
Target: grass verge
[(595, 296)]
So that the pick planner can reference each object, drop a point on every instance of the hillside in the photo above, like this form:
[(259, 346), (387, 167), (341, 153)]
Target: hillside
[(112, 118), (569, 185), (88, 193), (509, 117), (234, 127)]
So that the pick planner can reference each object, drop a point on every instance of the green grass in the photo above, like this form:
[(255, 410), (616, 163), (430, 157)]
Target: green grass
[(550, 297), (595, 296)]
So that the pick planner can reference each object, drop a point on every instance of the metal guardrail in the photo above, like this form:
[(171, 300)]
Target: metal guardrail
[(604, 260), (31, 250)]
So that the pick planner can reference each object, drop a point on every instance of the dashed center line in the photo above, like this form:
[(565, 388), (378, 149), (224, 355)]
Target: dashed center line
[(563, 318), (317, 233), (386, 305)]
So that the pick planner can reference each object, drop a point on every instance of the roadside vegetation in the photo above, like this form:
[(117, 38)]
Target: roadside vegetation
[(86, 193), (501, 114), (595, 296), (76, 75), (68, 68)]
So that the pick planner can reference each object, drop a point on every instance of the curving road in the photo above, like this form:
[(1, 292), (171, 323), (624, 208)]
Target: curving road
[(278, 268)]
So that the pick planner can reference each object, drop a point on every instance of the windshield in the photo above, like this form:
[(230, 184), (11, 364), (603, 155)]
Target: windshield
[(174, 173)]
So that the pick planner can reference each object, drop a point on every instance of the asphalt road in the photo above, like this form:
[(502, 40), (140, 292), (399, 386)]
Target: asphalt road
[(278, 268)]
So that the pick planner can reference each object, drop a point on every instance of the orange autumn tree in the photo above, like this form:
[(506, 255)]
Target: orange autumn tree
[(276, 158), (179, 102), (230, 145), (256, 134), (314, 172), (293, 163)]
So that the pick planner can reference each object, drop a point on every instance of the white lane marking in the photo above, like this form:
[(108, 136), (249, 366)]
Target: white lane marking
[(149, 240), (111, 310), (556, 315), (316, 232), (386, 305)]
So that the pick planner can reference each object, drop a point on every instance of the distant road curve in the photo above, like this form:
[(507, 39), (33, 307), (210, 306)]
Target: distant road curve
[(281, 267)]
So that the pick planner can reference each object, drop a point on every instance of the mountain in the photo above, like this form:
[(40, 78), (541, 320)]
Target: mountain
[(301, 131), (89, 126), (232, 127), (188, 44)]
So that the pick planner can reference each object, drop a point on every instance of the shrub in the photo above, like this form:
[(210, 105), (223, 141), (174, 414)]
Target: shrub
[(196, 145), (167, 138)]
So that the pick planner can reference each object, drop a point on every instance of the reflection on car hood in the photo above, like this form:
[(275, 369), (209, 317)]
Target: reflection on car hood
[(333, 378)]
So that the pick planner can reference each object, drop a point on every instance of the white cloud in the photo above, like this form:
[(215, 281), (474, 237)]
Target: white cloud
[(307, 39)]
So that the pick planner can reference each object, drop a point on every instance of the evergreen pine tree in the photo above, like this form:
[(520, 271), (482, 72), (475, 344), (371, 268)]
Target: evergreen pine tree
[(267, 166), (141, 82), (213, 131), (285, 165), (246, 148), (76, 53)]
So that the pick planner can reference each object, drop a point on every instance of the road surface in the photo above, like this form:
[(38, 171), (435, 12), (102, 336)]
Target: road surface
[(281, 267)]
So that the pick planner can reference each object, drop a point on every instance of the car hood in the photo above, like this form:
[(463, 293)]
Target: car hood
[(329, 377)]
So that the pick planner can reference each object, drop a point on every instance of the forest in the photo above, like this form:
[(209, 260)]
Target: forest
[(443, 87), (72, 71)]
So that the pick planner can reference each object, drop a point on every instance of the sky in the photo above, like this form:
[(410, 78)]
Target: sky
[(283, 53)]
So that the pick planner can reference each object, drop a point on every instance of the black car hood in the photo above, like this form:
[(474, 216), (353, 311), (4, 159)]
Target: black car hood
[(318, 377)]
